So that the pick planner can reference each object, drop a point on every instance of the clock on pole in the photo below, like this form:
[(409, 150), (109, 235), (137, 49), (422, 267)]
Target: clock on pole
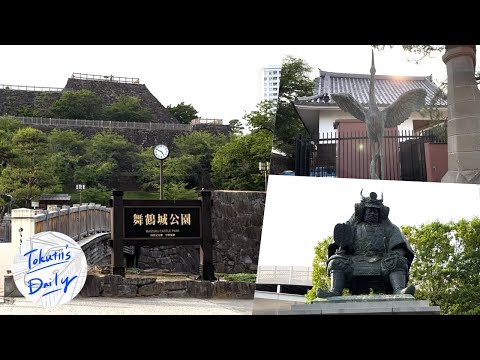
[(161, 152)]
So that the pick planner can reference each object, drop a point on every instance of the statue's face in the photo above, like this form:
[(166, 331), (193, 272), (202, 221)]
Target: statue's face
[(370, 215)]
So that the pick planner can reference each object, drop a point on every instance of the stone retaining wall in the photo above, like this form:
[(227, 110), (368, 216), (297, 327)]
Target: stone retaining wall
[(116, 286)]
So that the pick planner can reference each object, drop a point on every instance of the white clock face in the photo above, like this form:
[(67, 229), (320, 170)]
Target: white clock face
[(160, 152)]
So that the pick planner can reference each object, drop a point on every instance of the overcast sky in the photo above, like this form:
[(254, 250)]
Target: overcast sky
[(219, 81), (300, 211)]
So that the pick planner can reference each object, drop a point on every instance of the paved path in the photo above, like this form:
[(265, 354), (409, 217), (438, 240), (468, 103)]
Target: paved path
[(130, 306)]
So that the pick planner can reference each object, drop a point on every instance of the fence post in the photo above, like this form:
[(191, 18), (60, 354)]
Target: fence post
[(23, 227), (206, 249), (118, 266)]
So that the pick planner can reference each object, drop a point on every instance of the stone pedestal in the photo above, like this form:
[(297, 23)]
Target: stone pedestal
[(366, 305), (463, 116)]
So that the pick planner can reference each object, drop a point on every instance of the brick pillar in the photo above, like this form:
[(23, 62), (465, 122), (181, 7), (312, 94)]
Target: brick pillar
[(463, 116)]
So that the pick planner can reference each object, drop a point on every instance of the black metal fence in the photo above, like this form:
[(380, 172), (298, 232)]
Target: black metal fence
[(347, 154)]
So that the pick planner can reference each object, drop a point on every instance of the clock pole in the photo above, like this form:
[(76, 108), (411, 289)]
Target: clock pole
[(161, 179)]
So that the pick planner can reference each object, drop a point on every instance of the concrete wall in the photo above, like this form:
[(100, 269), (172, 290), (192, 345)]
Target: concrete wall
[(6, 257)]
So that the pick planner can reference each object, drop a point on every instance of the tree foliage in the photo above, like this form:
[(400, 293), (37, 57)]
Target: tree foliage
[(263, 118), (79, 104), (195, 150), (96, 194), (179, 191), (236, 126), (128, 108), (446, 268), (319, 269), (235, 165), (184, 113), (294, 82), (29, 173)]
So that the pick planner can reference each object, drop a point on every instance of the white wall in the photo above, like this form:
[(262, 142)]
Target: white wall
[(328, 116), (6, 257)]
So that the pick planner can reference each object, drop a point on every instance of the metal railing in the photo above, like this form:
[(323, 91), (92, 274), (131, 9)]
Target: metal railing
[(111, 78), (207, 121), (284, 275), (30, 88), (346, 154), (76, 222), (103, 124)]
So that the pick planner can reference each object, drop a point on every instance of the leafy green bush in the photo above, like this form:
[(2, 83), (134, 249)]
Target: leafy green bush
[(319, 274)]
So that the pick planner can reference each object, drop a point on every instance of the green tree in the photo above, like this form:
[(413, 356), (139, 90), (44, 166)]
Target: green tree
[(263, 118), (179, 191), (320, 278), (97, 194), (8, 127), (177, 169), (195, 150), (446, 268), (107, 153), (128, 108), (29, 173), (67, 148), (79, 104), (294, 82), (184, 113), (148, 170), (185, 169), (235, 165), (236, 126)]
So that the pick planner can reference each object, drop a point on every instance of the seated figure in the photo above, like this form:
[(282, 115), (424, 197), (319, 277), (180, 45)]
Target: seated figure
[(368, 253)]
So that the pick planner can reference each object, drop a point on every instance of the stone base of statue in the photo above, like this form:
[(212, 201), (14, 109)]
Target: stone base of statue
[(366, 305)]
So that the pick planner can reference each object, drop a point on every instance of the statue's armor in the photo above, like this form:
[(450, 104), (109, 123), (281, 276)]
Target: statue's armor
[(368, 249), (369, 240), (372, 252)]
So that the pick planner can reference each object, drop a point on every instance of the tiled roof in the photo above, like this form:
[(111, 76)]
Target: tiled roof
[(387, 88), (55, 197)]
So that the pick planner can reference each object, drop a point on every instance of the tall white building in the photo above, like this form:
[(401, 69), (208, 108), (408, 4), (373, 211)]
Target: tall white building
[(271, 82)]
